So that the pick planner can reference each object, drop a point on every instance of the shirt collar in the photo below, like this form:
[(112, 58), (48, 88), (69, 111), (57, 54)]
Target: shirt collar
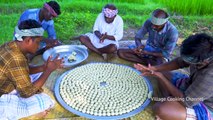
[(164, 28)]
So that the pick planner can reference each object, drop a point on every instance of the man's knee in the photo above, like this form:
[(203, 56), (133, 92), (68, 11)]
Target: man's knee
[(120, 53), (83, 38), (113, 48), (158, 109), (168, 110)]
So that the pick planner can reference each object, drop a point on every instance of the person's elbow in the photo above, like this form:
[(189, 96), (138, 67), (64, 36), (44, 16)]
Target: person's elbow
[(26, 95), (53, 37), (180, 95), (166, 54)]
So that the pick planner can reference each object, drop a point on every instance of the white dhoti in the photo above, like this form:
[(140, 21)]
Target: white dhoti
[(96, 41), (13, 107)]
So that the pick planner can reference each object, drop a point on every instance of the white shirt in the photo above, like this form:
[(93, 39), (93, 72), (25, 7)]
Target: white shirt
[(113, 29)]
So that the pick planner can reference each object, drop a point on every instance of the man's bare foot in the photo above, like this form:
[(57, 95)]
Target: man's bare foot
[(42, 114), (157, 118), (104, 55)]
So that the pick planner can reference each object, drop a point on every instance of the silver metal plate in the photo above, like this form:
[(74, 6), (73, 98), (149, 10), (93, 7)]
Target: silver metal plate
[(89, 116), (65, 51)]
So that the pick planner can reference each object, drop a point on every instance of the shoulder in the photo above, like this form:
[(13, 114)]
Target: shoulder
[(207, 71), (119, 17), (203, 75), (118, 20), (15, 51), (147, 23), (31, 11), (100, 15), (29, 14), (171, 27), (11, 55)]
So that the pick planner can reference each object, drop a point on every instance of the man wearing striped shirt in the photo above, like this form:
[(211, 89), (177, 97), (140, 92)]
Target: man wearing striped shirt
[(20, 84), (162, 38), (187, 97)]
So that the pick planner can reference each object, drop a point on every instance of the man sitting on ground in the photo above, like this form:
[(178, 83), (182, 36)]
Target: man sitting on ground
[(20, 84), (44, 16), (160, 43), (107, 31), (186, 98)]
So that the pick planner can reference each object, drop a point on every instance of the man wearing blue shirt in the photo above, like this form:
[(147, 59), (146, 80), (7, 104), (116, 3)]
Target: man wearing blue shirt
[(44, 16), (161, 41)]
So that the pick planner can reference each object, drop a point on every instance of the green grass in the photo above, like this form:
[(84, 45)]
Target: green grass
[(78, 16), (189, 7), (188, 25)]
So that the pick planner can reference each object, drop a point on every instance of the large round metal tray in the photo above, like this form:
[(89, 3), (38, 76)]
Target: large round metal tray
[(66, 50), (126, 115)]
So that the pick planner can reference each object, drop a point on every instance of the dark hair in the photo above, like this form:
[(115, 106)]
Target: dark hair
[(110, 6), (199, 46), (55, 6), (159, 13), (28, 24)]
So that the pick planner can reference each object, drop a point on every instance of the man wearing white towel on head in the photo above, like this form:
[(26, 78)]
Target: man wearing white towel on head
[(21, 84), (107, 31)]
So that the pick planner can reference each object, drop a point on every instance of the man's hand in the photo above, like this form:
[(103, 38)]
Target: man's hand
[(144, 52), (52, 43), (143, 68), (54, 64), (103, 37), (138, 50), (148, 71)]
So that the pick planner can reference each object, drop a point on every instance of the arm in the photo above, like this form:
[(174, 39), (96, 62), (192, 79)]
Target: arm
[(172, 65), (48, 67), (98, 34), (51, 30), (175, 64), (96, 30), (36, 69), (18, 73), (110, 37), (156, 71), (119, 29), (51, 41), (141, 33), (104, 36), (172, 90), (96, 26)]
